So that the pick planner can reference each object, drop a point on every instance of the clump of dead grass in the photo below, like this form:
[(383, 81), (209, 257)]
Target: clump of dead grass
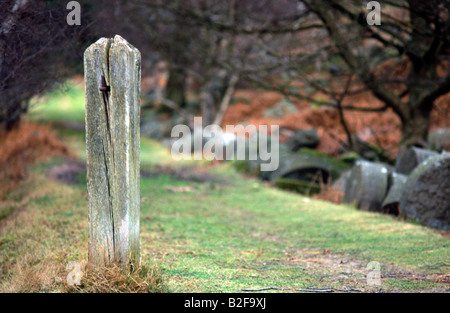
[(31, 273), (116, 279)]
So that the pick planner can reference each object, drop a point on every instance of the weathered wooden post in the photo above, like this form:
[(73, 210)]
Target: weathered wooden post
[(113, 80)]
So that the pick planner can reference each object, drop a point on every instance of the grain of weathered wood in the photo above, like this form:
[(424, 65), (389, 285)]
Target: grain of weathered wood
[(112, 142)]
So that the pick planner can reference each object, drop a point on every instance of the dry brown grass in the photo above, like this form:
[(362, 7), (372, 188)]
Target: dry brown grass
[(115, 279), (38, 243), (31, 277), (29, 260)]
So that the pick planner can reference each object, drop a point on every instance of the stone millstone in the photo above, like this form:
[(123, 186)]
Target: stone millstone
[(302, 167), (391, 202), (367, 185), (304, 138), (412, 158), (426, 194), (439, 139)]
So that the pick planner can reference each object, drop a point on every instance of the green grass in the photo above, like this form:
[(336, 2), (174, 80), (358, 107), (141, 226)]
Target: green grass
[(220, 236), (246, 235), (63, 104)]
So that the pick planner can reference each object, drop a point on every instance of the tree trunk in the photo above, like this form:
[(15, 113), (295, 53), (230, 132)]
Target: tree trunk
[(415, 129), (423, 56), (13, 121), (176, 86), (212, 94), (207, 105), (226, 99), (10, 115)]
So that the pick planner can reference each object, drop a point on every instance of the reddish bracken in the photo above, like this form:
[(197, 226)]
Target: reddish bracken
[(24, 146), (383, 129)]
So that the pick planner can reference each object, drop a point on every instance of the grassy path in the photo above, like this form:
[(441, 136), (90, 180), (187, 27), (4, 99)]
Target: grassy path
[(209, 229)]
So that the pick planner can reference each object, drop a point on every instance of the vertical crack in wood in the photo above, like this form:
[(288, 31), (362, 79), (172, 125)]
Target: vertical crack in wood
[(105, 96), (109, 153), (110, 205)]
